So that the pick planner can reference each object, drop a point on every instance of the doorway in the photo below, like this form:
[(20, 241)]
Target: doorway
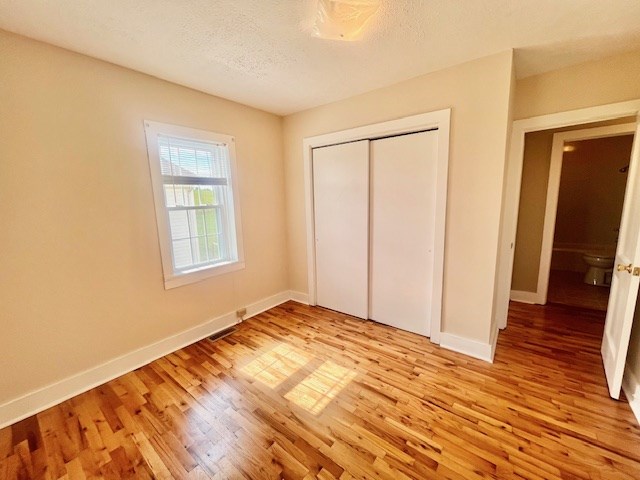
[(625, 277), (589, 206), (573, 185)]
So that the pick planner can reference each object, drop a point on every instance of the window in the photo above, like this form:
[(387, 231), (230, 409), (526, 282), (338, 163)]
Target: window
[(194, 185)]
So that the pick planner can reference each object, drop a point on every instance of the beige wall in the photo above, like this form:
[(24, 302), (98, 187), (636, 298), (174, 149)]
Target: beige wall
[(533, 198), (81, 279), (478, 93), (533, 194), (613, 79), (592, 191)]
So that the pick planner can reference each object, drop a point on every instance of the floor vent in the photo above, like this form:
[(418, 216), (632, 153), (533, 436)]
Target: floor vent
[(222, 333)]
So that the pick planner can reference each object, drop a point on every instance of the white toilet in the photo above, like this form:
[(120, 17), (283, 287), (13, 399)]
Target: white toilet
[(600, 268)]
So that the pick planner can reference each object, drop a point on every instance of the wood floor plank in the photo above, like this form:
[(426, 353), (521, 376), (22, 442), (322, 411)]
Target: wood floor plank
[(300, 392)]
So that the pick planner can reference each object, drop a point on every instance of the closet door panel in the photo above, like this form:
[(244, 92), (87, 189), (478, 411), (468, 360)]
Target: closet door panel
[(341, 212), (403, 194)]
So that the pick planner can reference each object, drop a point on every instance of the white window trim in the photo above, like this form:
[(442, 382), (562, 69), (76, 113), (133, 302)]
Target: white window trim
[(174, 278)]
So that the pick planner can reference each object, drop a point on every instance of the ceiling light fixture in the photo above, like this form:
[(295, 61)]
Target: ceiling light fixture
[(569, 148), (343, 19)]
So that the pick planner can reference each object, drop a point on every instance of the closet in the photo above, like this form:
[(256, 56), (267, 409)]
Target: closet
[(375, 222)]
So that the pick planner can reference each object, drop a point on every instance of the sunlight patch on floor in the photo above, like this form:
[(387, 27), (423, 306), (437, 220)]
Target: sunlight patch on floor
[(275, 366), (316, 391)]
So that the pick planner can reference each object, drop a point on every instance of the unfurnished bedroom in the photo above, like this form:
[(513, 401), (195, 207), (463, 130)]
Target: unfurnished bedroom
[(331, 239)]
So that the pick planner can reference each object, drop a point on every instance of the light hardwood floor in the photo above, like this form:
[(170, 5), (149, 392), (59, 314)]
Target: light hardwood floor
[(302, 392)]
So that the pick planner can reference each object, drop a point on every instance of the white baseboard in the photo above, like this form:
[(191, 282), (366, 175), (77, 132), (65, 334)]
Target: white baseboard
[(524, 297), (468, 346), (33, 402), (299, 297), (631, 388), (473, 348), (266, 303)]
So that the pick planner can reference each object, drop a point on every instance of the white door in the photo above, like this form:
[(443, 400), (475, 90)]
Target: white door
[(624, 287), (341, 211), (403, 212)]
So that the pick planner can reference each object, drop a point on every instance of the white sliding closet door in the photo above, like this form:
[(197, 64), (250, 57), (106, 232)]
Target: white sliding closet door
[(341, 211), (403, 212)]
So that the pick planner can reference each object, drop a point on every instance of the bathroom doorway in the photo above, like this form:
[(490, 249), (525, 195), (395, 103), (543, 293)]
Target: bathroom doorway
[(621, 311), (589, 195), (573, 183)]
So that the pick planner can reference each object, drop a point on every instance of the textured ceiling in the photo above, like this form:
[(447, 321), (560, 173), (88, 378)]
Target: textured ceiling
[(259, 52)]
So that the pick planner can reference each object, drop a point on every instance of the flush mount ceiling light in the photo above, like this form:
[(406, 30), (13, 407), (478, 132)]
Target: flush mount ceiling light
[(343, 19), (569, 148)]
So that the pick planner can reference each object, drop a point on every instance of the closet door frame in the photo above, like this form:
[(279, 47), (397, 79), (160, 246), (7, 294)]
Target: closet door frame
[(439, 120)]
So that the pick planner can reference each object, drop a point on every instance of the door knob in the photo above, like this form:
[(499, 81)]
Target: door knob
[(628, 268)]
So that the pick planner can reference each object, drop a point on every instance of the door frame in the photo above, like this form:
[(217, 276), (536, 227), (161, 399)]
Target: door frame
[(439, 120), (553, 191), (509, 222)]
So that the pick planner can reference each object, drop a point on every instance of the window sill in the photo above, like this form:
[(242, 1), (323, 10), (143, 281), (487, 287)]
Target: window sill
[(178, 280)]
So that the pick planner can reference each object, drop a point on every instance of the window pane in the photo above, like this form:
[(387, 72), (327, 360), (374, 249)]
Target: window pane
[(204, 163), (199, 249), (178, 194), (187, 159), (196, 196), (199, 229), (220, 194), (206, 195), (191, 215), (220, 163), (214, 247), (203, 230), (182, 253), (175, 160), (211, 221), (169, 196), (193, 195), (178, 224), (165, 160), (188, 193)]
